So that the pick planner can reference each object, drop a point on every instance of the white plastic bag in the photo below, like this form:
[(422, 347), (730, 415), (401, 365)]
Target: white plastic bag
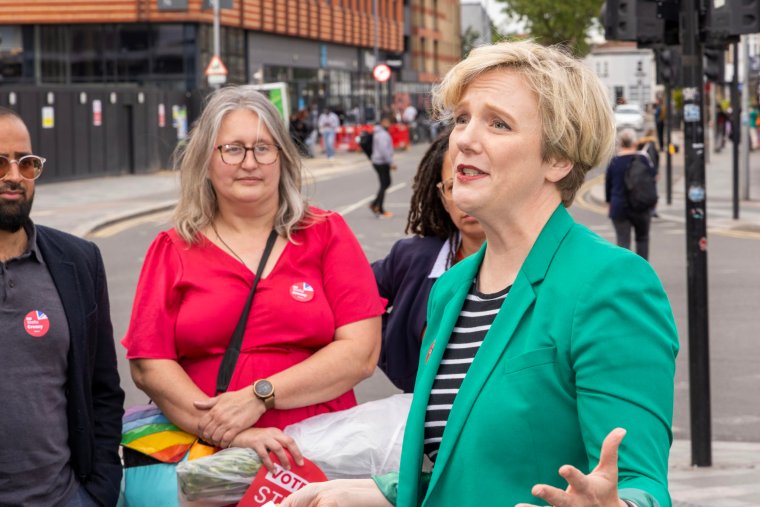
[(356, 443)]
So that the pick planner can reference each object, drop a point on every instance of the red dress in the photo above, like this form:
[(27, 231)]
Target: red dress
[(189, 300)]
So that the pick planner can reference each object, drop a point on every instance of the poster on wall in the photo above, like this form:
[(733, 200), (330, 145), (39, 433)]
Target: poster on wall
[(97, 113), (48, 117)]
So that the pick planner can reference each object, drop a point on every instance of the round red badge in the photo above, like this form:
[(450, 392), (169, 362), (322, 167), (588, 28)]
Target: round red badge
[(302, 292), (36, 323)]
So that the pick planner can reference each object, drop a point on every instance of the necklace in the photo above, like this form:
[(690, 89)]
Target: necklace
[(227, 246)]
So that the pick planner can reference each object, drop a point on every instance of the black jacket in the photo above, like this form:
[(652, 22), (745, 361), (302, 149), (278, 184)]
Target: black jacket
[(95, 399)]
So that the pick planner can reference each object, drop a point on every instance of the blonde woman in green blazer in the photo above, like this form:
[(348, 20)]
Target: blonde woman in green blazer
[(568, 399)]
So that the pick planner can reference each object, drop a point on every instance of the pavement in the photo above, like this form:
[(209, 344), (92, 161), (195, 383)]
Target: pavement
[(84, 206)]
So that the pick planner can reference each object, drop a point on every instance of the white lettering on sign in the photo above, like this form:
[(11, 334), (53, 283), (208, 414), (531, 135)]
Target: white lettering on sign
[(265, 494), (286, 480)]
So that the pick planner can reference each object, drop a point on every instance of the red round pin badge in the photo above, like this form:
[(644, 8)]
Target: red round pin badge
[(302, 292), (36, 324)]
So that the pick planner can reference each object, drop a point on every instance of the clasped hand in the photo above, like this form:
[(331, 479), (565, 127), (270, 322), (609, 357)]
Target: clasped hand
[(227, 415)]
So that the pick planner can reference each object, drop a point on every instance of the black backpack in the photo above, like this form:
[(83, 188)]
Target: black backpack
[(364, 140), (640, 185)]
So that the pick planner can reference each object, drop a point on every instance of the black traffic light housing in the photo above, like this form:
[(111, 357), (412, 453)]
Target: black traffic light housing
[(715, 63), (633, 20), (668, 66)]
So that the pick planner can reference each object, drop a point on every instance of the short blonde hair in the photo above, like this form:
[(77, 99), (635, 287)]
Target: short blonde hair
[(198, 205), (577, 123)]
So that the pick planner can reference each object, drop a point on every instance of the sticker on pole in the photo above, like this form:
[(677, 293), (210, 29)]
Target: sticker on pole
[(381, 72), (278, 484)]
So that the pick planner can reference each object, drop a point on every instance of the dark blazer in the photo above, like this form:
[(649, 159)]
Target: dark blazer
[(95, 400), (403, 279)]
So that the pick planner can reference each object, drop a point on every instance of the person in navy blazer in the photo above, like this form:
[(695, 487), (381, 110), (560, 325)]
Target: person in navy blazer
[(92, 396), (443, 235)]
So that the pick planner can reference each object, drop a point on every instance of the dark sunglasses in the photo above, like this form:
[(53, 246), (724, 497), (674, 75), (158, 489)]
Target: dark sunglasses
[(29, 166)]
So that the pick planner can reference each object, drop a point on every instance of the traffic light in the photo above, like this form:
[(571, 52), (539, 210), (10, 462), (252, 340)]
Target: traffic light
[(730, 18), (715, 63), (633, 20), (669, 66)]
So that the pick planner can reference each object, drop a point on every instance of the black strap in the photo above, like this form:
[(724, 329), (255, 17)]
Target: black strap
[(233, 349)]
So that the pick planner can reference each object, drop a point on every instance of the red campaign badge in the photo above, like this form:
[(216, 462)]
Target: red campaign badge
[(302, 292), (279, 484), (36, 324)]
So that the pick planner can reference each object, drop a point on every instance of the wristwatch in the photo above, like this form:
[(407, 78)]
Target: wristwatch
[(264, 390)]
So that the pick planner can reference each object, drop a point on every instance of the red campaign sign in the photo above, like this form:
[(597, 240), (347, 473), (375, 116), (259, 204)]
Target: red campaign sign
[(279, 484)]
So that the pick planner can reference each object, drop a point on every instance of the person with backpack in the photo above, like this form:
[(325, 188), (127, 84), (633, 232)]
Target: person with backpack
[(631, 191)]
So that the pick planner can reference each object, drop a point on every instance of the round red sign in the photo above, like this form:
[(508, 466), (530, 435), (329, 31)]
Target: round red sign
[(381, 72)]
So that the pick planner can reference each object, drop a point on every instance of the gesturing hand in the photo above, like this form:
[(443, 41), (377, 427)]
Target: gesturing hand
[(597, 489), (227, 415)]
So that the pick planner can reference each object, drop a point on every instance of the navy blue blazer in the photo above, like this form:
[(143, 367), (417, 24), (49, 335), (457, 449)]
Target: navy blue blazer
[(404, 278), (95, 399)]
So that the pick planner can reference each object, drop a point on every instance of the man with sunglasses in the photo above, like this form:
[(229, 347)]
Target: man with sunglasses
[(60, 394)]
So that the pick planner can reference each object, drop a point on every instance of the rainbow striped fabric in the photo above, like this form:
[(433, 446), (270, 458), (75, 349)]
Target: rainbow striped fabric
[(146, 429)]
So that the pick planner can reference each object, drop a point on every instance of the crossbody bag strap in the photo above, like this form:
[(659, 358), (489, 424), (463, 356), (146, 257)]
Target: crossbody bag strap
[(233, 349)]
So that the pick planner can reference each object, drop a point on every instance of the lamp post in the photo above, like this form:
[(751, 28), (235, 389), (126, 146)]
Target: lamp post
[(377, 60)]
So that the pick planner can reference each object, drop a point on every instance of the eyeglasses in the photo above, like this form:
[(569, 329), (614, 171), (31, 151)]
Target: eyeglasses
[(446, 187), (29, 166), (263, 153)]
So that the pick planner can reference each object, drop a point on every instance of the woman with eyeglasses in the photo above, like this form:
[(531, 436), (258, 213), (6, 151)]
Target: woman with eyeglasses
[(313, 331), (443, 235)]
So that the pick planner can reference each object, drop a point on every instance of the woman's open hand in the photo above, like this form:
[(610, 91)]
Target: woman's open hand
[(227, 415), (597, 489), (266, 440)]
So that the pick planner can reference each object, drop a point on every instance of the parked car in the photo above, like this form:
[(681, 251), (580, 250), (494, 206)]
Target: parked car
[(629, 115)]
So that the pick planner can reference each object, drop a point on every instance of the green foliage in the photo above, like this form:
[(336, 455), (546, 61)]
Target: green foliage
[(564, 22)]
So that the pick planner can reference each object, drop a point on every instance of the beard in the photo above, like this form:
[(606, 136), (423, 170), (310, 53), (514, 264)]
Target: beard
[(14, 215)]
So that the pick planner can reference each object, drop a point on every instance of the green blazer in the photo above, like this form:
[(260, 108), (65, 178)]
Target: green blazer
[(584, 342)]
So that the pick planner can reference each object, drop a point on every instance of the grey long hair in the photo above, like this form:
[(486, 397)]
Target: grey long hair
[(198, 204)]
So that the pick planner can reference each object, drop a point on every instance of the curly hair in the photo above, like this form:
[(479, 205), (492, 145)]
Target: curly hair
[(427, 216)]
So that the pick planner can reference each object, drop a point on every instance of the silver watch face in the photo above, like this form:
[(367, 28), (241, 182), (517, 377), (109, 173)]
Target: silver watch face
[(263, 388)]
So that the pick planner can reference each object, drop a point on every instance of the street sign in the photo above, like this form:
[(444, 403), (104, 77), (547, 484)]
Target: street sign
[(216, 72), (381, 73)]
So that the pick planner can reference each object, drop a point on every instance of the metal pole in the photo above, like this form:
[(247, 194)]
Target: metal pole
[(377, 60), (736, 130), (216, 26), (746, 131), (696, 235), (668, 157)]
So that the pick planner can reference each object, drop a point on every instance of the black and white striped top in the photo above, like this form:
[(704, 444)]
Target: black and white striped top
[(475, 319)]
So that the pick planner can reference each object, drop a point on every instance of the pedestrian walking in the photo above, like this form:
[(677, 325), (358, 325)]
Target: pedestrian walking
[(60, 394), (328, 126), (659, 122), (382, 162), (647, 146), (618, 194)]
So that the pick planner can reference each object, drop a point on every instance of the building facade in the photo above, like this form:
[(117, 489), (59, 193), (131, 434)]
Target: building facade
[(476, 24), (91, 57), (628, 73)]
